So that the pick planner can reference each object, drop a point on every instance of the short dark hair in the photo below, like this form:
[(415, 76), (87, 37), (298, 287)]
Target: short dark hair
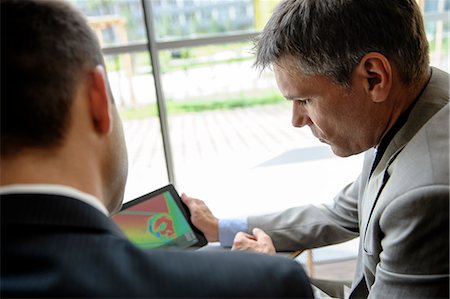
[(329, 37), (46, 48)]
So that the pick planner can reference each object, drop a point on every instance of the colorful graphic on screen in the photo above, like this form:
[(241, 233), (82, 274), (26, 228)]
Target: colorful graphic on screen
[(156, 222)]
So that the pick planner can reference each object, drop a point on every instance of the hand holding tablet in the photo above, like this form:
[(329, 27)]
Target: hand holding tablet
[(159, 219)]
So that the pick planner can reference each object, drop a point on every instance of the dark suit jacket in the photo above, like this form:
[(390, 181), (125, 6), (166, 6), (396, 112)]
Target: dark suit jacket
[(54, 246)]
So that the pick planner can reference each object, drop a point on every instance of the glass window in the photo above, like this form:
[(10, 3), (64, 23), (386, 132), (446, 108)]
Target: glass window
[(175, 19), (214, 76), (132, 84), (437, 26), (131, 79), (115, 22)]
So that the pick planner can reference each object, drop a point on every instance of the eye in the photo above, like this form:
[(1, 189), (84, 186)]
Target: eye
[(303, 101)]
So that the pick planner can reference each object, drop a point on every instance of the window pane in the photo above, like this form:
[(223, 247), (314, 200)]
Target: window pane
[(215, 75), (115, 22), (437, 27), (132, 85), (175, 19)]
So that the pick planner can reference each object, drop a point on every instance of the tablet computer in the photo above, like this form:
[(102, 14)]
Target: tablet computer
[(159, 219)]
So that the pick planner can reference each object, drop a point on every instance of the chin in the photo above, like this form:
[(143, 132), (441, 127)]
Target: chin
[(345, 152), (342, 152)]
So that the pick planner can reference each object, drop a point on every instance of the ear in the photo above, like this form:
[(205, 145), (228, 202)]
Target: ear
[(99, 101), (375, 69)]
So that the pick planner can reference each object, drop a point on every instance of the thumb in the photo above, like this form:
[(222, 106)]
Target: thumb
[(259, 233), (185, 198)]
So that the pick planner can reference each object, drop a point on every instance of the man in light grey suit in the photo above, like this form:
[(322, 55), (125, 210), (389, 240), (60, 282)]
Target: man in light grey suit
[(357, 73)]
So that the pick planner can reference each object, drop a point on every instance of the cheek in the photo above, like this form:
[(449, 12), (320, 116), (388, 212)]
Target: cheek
[(320, 117), (331, 125)]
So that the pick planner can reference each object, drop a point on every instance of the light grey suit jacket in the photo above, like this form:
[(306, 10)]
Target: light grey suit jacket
[(401, 212)]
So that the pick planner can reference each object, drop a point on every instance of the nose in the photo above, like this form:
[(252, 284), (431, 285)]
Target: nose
[(300, 117)]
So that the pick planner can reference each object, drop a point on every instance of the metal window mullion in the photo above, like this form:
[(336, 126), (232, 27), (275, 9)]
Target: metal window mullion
[(130, 48), (154, 57), (203, 41), (181, 43)]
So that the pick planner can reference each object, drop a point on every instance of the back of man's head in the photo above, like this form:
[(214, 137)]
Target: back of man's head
[(46, 48), (329, 37)]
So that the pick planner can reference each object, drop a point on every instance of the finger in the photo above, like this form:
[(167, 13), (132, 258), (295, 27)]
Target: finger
[(185, 198), (242, 244), (259, 234), (265, 242), (242, 235), (189, 201), (242, 241)]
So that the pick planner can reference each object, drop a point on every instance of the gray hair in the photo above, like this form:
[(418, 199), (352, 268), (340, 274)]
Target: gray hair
[(329, 37)]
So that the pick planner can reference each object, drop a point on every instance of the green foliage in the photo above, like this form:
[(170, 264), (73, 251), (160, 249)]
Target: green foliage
[(182, 59), (188, 58), (150, 110)]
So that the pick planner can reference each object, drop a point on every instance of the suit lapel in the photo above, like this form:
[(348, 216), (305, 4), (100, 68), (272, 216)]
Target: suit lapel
[(433, 98)]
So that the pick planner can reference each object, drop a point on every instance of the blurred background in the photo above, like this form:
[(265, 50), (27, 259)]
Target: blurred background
[(197, 114)]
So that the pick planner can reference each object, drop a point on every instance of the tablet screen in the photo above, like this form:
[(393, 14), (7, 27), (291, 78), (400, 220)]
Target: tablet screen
[(158, 219)]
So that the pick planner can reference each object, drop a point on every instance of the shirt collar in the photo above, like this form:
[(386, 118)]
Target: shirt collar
[(56, 190)]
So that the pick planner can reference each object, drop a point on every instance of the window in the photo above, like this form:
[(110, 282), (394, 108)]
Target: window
[(437, 26)]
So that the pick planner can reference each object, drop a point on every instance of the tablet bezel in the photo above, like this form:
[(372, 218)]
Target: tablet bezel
[(201, 239)]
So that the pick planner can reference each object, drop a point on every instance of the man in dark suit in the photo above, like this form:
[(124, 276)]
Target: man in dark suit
[(63, 171)]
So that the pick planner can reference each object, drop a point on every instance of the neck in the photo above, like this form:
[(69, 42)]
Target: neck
[(403, 97), (49, 167)]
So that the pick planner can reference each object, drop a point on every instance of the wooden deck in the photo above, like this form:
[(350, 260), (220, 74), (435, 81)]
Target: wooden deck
[(216, 134)]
